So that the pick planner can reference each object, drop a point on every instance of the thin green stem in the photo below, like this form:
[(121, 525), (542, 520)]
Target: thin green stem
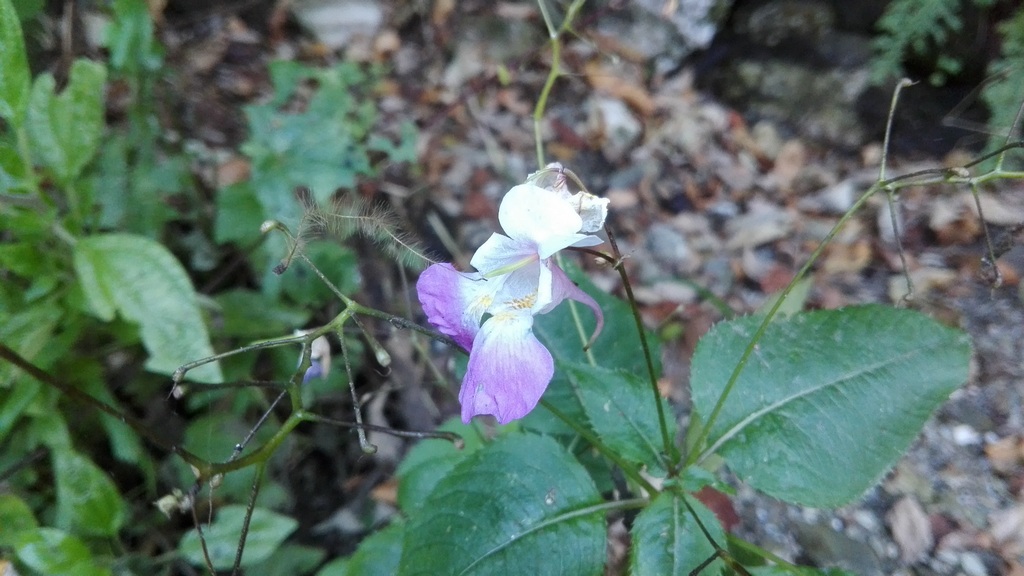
[(257, 480), (554, 39), (437, 435), (261, 454), (652, 374)]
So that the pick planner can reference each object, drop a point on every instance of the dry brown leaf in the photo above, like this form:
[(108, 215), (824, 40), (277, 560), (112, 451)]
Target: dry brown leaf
[(790, 161), (442, 11), (911, 529), (1005, 454), (848, 258), (606, 80), (386, 492), (233, 171)]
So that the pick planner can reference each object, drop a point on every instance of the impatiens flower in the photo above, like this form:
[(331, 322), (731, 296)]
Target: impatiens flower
[(516, 279)]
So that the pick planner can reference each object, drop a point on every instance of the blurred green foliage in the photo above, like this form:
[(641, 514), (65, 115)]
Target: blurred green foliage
[(97, 289), (923, 29)]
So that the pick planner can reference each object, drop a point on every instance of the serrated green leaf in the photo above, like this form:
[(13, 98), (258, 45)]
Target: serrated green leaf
[(321, 148), (378, 555), (429, 462), (143, 282), (56, 553), (16, 518), (87, 500), (620, 407), (15, 80), (667, 539), (267, 530), (65, 129), (829, 400), (520, 505)]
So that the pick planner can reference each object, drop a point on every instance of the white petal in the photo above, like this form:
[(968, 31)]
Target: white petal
[(500, 255), (532, 214)]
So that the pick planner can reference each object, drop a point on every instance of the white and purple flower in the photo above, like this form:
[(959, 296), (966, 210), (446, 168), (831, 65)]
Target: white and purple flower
[(516, 279)]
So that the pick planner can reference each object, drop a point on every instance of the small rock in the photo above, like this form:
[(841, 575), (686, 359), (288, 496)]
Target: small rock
[(964, 435), (972, 564), (335, 23), (835, 199), (665, 291), (612, 124), (669, 248), (766, 138), (763, 223)]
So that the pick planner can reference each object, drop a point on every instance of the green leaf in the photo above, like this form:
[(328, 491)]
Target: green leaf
[(28, 9), (429, 462), (667, 539), (620, 407), (142, 281), (521, 505), (250, 314), (130, 40), (267, 530), (322, 148), (87, 500), (15, 80), (239, 215), (28, 331), (16, 518), (797, 571), (288, 560), (378, 555), (65, 130), (56, 553), (12, 169), (617, 347), (829, 400)]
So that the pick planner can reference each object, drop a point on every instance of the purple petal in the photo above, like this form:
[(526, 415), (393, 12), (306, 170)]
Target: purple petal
[(455, 301), (509, 369), (562, 287), (315, 370)]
